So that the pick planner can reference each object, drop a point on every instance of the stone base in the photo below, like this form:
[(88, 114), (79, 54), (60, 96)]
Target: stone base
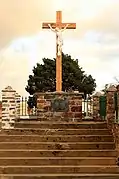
[(59, 105)]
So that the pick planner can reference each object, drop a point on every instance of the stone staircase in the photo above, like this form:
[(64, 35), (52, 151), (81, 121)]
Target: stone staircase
[(58, 150)]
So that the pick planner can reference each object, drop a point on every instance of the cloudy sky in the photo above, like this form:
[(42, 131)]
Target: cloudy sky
[(23, 43)]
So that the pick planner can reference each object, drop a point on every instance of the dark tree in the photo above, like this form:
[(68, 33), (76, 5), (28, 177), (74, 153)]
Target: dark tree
[(32, 102), (74, 78)]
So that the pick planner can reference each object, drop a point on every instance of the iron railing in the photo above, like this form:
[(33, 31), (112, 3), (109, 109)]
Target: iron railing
[(87, 107), (24, 108)]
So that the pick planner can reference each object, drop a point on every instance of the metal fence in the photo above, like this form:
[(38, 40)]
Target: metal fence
[(25, 110), (87, 107)]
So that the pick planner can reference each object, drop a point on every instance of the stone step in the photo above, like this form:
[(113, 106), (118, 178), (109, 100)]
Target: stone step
[(52, 119), (39, 161), (56, 138), (57, 146), (57, 153), (58, 119), (61, 176), (38, 131), (68, 125), (93, 169)]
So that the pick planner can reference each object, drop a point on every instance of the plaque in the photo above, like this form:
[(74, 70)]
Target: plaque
[(60, 105)]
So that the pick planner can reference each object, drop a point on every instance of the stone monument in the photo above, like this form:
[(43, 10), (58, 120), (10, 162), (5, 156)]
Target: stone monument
[(59, 104)]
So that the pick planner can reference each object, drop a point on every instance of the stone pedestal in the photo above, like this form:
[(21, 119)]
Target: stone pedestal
[(8, 107), (59, 105)]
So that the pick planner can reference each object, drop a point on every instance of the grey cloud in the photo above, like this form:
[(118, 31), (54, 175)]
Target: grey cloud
[(108, 21), (21, 18)]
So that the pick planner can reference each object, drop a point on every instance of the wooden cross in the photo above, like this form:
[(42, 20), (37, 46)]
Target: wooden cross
[(58, 25)]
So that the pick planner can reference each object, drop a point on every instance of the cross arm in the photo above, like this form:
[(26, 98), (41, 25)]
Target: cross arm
[(45, 25), (54, 25), (70, 25)]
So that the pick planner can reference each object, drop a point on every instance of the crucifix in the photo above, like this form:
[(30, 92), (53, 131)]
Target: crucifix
[(58, 28)]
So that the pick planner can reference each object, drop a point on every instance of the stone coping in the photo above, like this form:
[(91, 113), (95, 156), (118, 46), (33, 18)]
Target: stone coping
[(59, 93), (5, 90)]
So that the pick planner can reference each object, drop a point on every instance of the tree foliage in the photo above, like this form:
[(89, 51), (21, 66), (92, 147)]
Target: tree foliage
[(32, 101), (74, 78)]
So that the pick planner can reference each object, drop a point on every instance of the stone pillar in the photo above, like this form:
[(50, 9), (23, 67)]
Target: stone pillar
[(0, 111), (8, 107), (17, 100), (118, 101), (96, 105), (116, 125), (110, 109)]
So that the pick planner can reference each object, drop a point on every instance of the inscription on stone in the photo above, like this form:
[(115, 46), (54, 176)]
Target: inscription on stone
[(60, 105)]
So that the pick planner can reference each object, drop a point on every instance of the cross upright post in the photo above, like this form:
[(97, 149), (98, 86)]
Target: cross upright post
[(58, 28)]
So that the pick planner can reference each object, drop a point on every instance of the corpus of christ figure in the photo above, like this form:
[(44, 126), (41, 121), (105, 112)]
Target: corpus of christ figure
[(59, 41), (58, 28)]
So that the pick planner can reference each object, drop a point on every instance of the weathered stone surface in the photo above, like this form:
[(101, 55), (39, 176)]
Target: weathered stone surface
[(8, 107), (63, 170), (76, 108), (113, 125), (38, 145), (78, 115), (68, 115), (96, 107), (60, 161), (110, 111), (59, 104), (111, 114)]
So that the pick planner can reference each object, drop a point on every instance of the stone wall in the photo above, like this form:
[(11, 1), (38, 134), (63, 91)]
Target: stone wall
[(59, 105), (10, 107)]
